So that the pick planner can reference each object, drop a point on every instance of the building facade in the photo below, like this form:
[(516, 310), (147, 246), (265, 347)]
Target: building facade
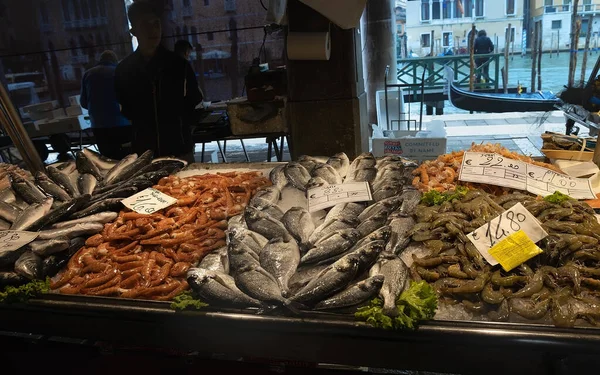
[(437, 26)]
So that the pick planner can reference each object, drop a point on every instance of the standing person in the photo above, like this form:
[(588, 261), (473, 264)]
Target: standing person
[(111, 129), (483, 45), (183, 48), (157, 89)]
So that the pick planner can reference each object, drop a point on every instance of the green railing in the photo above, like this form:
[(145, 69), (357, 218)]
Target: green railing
[(410, 71)]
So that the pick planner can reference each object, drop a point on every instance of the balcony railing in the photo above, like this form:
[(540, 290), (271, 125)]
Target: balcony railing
[(550, 9), (86, 23), (187, 11)]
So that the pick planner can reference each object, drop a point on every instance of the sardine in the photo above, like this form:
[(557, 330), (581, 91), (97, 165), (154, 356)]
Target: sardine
[(87, 183), (353, 295), (316, 182), (47, 247), (74, 231), (255, 281), (373, 223), (100, 161), (395, 274), (32, 214), (112, 204), (8, 212), (29, 265), (308, 162), (400, 238), (296, 175), (388, 205), (50, 187), (323, 230), (330, 281), (216, 260), (340, 162), (127, 171), (264, 224), (265, 196), (26, 189), (410, 200), (298, 221), (277, 177), (217, 287), (55, 262), (63, 181), (334, 244), (362, 161), (86, 166), (118, 168), (281, 259), (327, 173), (11, 278), (60, 212), (102, 218)]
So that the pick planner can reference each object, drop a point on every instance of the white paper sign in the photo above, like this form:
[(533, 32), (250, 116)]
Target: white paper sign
[(514, 219), (497, 170), (324, 197), (148, 201), (14, 239)]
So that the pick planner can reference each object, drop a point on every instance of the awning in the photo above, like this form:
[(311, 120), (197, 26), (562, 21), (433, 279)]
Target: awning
[(216, 54)]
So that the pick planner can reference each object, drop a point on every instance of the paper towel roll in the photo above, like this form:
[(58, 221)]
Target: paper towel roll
[(309, 46)]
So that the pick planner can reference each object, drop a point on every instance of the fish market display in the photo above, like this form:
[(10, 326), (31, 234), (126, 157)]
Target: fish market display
[(339, 258), (66, 206), (561, 285), (442, 174), (148, 256)]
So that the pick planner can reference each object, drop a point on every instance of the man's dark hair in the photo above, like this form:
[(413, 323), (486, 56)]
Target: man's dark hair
[(182, 46), (139, 9), (481, 33)]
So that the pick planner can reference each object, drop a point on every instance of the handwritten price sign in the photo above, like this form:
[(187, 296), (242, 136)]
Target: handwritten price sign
[(323, 197), (14, 239), (516, 219), (148, 201)]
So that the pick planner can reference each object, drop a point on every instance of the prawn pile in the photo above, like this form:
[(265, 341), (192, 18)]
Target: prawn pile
[(148, 256), (441, 174), (562, 284)]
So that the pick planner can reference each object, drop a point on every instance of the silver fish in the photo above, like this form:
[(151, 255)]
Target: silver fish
[(308, 162), (362, 175), (63, 181), (400, 238), (297, 175), (305, 274), (216, 260), (330, 281), (382, 234), (102, 218), (368, 254), (395, 274), (29, 265), (60, 212), (240, 255), (272, 210), (8, 196), (387, 190), (248, 238), (4, 225), (74, 231), (334, 244), (110, 204), (281, 259), (277, 177), (67, 167), (236, 221), (26, 189), (344, 210), (373, 223), (362, 161), (323, 230), (327, 173), (87, 183), (266, 196), (394, 181), (340, 162), (353, 295), (118, 168), (127, 171), (86, 166), (100, 161), (50, 187), (8, 212), (31, 214), (264, 224), (410, 200), (214, 286), (255, 281), (388, 205), (388, 159), (389, 171), (51, 246), (298, 221), (316, 182)]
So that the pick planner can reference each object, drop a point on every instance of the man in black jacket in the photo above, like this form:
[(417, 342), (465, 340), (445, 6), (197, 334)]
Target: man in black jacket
[(157, 89), (483, 45)]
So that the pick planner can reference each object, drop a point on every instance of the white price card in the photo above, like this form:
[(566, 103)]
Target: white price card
[(14, 239), (515, 219), (497, 170), (323, 197), (148, 201)]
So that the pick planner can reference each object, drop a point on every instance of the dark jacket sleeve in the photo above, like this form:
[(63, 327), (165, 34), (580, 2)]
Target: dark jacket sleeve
[(491, 46), (121, 92), (83, 99), (193, 95)]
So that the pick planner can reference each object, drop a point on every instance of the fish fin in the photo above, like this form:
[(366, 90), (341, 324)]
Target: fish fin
[(294, 306)]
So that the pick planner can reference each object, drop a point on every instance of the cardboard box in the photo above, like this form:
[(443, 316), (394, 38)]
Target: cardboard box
[(58, 126), (410, 147), (58, 113), (41, 107), (74, 110), (74, 100)]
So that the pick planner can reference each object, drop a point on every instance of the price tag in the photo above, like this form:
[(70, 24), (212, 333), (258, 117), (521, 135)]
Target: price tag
[(497, 170), (14, 239), (148, 201), (514, 250), (517, 218), (324, 197)]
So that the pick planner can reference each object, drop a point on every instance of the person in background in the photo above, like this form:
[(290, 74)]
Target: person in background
[(183, 48), (157, 89), (111, 129), (483, 45)]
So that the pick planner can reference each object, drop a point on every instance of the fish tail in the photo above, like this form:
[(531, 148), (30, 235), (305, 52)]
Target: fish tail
[(294, 306), (389, 307)]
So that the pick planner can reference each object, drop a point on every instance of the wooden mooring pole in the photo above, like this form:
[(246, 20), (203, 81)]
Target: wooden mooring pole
[(540, 41), (534, 56), (585, 50), (506, 53), (575, 27), (472, 59)]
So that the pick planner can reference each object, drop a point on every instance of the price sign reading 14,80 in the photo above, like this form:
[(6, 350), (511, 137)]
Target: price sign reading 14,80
[(148, 201)]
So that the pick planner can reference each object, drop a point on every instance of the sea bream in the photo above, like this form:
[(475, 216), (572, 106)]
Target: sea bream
[(280, 259), (395, 274), (216, 260), (264, 224), (296, 175), (340, 163), (49, 247), (327, 173), (265, 196), (277, 177), (86, 166), (400, 238), (298, 221), (29, 265), (87, 183), (217, 287), (255, 281), (323, 230), (353, 295), (334, 244)]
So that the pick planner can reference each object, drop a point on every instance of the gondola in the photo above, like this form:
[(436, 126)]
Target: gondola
[(491, 102)]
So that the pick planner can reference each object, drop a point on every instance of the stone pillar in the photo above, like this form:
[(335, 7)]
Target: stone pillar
[(327, 103), (379, 28)]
